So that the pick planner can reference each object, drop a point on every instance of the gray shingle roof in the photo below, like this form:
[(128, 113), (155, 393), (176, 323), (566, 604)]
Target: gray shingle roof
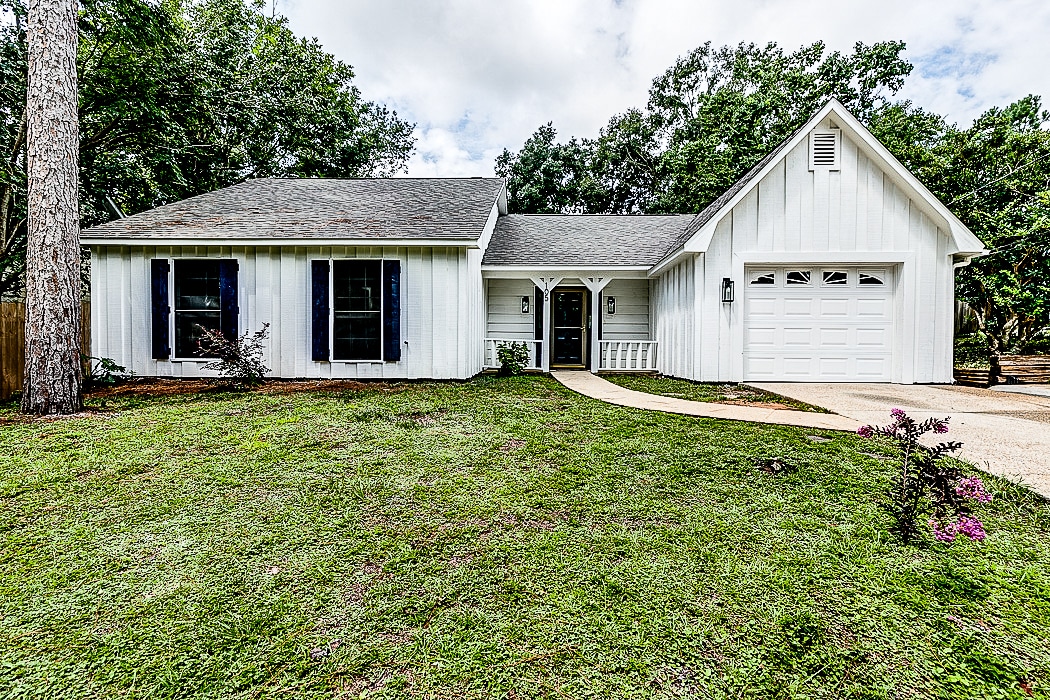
[(583, 240), (396, 208)]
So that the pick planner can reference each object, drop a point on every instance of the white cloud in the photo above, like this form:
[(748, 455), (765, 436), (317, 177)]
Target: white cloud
[(478, 76)]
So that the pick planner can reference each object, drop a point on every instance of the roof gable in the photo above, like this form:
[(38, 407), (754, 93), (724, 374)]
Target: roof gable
[(698, 234)]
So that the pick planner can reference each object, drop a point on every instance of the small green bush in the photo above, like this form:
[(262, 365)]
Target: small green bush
[(239, 359), (104, 371), (513, 358)]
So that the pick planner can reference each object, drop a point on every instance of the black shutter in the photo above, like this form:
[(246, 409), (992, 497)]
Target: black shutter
[(228, 308), (319, 285), (392, 310), (601, 313), (160, 309), (538, 322)]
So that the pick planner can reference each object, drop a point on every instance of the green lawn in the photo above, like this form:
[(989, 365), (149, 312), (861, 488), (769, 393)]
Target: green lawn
[(500, 538), (697, 391)]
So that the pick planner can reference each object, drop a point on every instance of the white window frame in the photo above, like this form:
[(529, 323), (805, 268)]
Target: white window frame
[(171, 306), (331, 311)]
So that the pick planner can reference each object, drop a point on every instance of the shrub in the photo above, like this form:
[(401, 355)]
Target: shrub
[(240, 359), (928, 486), (513, 358), (104, 371)]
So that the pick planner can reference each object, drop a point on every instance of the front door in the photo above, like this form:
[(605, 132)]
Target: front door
[(568, 324)]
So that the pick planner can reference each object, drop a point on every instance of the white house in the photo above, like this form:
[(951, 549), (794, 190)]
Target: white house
[(828, 261)]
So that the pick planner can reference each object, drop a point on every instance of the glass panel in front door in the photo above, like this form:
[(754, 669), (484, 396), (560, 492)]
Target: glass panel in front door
[(567, 328)]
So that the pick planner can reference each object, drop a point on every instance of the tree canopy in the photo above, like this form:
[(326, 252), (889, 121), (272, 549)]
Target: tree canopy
[(716, 112), (179, 97)]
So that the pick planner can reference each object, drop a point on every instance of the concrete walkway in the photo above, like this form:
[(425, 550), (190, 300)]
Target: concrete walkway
[(1004, 433), (591, 385)]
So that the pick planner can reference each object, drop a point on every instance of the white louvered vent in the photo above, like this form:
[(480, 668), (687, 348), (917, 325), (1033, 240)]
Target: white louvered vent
[(824, 147)]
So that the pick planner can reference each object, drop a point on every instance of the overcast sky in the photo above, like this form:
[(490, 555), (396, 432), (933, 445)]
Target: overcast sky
[(477, 76)]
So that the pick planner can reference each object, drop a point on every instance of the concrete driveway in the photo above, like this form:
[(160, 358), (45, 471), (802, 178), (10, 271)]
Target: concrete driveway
[(1005, 433)]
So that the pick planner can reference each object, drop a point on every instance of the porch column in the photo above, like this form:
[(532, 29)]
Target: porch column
[(546, 284), (595, 285)]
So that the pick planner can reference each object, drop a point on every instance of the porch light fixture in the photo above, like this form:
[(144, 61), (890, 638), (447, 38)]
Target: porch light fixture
[(728, 291), (525, 301), (610, 304)]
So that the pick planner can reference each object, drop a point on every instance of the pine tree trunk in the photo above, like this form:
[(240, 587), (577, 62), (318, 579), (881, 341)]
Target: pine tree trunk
[(53, 369)]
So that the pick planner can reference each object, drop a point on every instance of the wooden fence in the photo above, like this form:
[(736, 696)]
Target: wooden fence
[(13, 344)]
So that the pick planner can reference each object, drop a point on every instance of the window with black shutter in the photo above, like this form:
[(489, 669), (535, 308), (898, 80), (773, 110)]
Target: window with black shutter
[(204, 295), (357, 310)]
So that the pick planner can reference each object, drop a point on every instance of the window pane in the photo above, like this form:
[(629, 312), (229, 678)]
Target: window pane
[(764, 278), (187, 332), (356, 285), (357, 336), (798, 277), (834, 277), (196, 284), (866, 278)]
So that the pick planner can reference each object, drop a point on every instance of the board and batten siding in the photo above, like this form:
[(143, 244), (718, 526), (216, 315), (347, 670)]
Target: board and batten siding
[(631, 320), (442, 309), (856, 215), (675, 318)]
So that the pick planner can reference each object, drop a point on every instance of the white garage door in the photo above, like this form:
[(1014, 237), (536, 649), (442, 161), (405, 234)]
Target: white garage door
[(818, 323)]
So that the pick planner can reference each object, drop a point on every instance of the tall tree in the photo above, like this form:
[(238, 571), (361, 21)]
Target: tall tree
[(547, 177), (52, 367), (710, 117), (995, 175), (185, 96)]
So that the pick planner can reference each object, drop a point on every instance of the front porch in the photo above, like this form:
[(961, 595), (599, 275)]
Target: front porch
[(598, 321)]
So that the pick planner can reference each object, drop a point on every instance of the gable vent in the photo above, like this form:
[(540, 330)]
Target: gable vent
[(824, 147)]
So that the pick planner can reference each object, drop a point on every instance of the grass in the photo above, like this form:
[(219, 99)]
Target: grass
[(500, 538), (703, 391)]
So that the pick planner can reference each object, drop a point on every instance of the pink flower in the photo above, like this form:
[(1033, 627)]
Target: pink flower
[(941, 426), (971, 527), (865, 431), (973, 488), (945, 532), (898, 413)]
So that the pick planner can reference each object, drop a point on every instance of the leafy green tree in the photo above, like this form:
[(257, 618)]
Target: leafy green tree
[(712, 116), (179, 97), (720, 111), (546, 177), (995, 176)]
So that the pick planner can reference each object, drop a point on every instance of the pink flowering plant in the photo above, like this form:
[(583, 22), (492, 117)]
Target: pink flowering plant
[(929, 487)]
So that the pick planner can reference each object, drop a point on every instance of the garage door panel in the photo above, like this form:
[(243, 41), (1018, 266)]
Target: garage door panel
[(869, 338), (834, 308), (841, 332), (798, 307), (798, 367), (762, 337), (873, 367), (763, 367), (833, 367), (873, 308), (833, 337), (761, 306), (798, 337)]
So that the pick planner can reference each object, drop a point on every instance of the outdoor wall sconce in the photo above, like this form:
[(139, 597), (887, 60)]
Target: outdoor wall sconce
[(728, 291), (610, 304), (525, 301)]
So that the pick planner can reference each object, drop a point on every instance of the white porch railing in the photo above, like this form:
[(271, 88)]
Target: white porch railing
[(627, 355), (492, 348)]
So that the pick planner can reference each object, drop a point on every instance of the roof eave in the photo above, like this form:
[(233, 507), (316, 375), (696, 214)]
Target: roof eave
[(141, 241)]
